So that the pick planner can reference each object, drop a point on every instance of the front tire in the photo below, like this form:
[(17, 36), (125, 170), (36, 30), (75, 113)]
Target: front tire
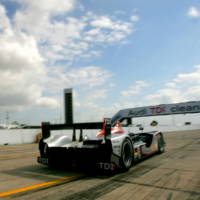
[(126, 155), (161, 144)]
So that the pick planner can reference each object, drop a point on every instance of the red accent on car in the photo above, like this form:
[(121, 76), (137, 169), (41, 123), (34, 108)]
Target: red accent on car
[(117, 129), (102, 131)]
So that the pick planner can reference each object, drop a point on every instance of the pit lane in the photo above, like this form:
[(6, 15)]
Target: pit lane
[(172, 175)]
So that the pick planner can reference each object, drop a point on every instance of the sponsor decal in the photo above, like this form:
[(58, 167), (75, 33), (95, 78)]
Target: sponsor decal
[(134, 112), (44, 161), (107, 166), (186, 108), (157, 110)]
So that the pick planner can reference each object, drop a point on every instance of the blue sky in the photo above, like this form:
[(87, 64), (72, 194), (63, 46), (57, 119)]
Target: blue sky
[(115, 54)]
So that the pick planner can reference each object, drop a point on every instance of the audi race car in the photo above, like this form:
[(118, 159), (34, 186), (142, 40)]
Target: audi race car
[(115, 145)]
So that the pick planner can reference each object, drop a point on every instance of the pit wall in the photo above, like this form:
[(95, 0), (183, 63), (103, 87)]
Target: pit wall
[(18, 136), (28, 136)]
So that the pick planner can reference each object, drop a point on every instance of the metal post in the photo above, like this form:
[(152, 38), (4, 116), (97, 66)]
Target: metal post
[(68, 106), (45, 130), (74, 135), (108, 135), (81, 135)]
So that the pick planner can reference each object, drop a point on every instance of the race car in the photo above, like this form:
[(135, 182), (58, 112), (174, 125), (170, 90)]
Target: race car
[(114, 146)]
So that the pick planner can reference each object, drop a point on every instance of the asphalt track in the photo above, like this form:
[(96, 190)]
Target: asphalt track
[(174, 174)]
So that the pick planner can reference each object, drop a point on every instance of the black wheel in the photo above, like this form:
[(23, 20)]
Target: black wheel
[(41, 148), (161, 144), (126, 155)]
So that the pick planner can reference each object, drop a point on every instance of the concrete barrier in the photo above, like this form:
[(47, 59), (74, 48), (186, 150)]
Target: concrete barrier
[(28, 136), (18, 136)]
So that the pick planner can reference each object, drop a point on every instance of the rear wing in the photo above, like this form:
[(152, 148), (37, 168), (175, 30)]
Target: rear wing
[(47, 128)]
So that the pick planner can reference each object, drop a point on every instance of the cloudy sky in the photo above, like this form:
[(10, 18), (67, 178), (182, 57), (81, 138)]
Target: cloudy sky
[(115, 54)]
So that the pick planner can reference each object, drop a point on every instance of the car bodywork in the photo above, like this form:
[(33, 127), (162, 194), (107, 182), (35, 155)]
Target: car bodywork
[(114, 147)]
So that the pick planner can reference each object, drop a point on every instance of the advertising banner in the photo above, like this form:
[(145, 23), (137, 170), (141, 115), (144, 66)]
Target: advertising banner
[(163, 109)]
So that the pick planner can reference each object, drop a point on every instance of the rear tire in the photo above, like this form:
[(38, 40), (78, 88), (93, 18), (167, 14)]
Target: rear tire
[(126, 155)]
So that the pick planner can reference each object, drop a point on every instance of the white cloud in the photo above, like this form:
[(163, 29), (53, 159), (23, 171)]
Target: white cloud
[(103, 22), (108, 30), (185, 87), (193, 12), (22, 71), (107, 23), (170, 85), (50, 6), (135, 18), (4, 22), (86, 77), (135, 89), (120, 12), (48, 102), (165, 95), (90, 104), (188, 78), (40, 36), (76, 37), (98, 94)]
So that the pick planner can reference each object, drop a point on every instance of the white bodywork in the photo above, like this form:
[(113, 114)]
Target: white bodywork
[(63, 140)]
